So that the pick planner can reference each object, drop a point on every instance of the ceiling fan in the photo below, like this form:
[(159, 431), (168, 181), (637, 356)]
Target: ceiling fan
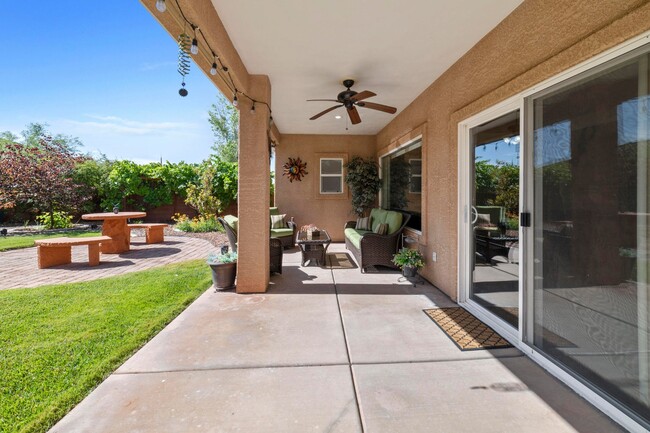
[(351, 100)]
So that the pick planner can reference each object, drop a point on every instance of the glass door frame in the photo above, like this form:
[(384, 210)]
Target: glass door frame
[(522, 337), (465, 238)]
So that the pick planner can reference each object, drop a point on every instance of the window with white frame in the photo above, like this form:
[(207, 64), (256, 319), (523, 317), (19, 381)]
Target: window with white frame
[(331, 175)]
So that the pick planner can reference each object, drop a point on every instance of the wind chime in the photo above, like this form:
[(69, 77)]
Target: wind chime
[(183, 60)]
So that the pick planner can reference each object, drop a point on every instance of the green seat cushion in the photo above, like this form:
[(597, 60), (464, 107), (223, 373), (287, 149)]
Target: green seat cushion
[(378, 217), (355, 236), (394, 221), (280, 233), (232, 221)]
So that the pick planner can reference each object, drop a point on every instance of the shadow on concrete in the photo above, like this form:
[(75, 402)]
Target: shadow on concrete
[(576, 411), (296, 279)]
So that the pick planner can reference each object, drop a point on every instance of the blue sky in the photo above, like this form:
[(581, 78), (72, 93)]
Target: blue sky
[(104, 72), (498, 151)]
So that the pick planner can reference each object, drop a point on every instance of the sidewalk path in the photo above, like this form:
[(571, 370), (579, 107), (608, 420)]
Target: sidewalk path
[(20, 267)]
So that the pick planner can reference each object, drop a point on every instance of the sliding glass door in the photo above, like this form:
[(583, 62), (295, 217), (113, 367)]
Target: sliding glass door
[(591, 202), (494, 217)]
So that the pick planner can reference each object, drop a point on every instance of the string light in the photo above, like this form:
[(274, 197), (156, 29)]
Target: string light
[(161, 6), (194, 49), (214, 70)]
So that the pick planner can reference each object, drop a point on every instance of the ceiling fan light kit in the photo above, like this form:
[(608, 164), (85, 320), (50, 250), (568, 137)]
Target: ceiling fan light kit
[(351, 99)]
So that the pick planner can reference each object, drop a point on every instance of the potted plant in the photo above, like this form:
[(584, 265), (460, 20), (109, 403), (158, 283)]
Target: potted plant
[(364, 182), (224, 269), (409, 261)]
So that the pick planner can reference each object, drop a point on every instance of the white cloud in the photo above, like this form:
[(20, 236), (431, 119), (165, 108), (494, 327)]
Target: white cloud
[(138, 140), (121, 126)]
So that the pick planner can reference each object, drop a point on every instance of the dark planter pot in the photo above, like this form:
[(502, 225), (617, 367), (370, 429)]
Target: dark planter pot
[(409, 271), (223, 275)]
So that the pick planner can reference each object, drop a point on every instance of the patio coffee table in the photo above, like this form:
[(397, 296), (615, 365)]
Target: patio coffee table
[(314, 248)]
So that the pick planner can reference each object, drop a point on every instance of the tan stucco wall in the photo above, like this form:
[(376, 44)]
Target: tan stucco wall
[(301, 199), (538, 40)]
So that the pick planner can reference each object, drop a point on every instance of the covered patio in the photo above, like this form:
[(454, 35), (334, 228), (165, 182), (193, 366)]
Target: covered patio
[(349, 351), (326, 350)]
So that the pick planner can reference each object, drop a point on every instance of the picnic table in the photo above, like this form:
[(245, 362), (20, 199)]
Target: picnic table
[(115, 225)]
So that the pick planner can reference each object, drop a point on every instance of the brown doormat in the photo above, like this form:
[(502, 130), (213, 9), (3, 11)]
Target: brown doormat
[(465, 330), (340, 261)]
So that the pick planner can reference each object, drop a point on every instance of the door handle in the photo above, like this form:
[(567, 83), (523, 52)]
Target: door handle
[(474, 212)]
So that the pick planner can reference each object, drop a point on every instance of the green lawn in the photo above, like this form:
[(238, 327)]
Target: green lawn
[(15, 242), (59, 342)]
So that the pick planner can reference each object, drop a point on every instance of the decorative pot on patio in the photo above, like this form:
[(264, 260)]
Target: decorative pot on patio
[(409, 260), (409, 271), (224, 270)]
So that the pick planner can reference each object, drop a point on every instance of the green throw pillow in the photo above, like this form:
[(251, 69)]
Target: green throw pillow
[(363, 223)]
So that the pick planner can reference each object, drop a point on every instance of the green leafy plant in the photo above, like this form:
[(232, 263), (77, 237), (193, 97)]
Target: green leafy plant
[(55, 220), (364, 182), (216, 189), (142, 186), (407, 257), (224, 120), (229, 257)]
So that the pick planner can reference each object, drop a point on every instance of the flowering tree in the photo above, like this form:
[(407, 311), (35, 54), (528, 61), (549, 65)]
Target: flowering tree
[(40, 177)]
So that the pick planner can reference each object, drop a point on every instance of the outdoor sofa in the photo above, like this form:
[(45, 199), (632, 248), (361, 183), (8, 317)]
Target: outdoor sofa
[(371, 249)]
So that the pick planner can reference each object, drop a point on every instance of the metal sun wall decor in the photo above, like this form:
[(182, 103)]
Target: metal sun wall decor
[(295, 169)]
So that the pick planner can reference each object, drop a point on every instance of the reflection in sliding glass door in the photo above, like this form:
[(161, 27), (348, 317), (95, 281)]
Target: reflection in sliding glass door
[(591, 213), (495, 148)]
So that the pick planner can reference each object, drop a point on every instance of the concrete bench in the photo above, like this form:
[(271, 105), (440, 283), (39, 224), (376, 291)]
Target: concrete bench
[(58, 251), (154, 232)]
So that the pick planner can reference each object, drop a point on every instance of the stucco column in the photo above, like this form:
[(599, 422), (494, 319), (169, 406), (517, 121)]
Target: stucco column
[(254, 181)]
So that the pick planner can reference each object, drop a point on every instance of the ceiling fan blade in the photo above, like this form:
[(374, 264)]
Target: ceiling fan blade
[(354, 115), (329, 100), (380, 107), (363, 95), (325, 112)]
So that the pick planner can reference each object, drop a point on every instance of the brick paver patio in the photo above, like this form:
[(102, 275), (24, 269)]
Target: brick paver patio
[(19, 267)]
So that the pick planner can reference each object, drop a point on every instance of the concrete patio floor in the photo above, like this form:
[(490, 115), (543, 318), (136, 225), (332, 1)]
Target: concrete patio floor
[(326, 350)]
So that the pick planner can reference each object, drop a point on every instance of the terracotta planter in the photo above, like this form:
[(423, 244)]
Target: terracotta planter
[(223, 275)]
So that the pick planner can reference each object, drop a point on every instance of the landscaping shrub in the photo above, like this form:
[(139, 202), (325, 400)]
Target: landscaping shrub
[(55, 220), (200, 224)]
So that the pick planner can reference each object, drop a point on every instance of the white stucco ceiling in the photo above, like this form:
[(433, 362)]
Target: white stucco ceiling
[(393, 48)]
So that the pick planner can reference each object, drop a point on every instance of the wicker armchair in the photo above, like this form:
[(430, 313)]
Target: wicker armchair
[(230, 232), (288, 240), (275, 246), (376, 250)]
